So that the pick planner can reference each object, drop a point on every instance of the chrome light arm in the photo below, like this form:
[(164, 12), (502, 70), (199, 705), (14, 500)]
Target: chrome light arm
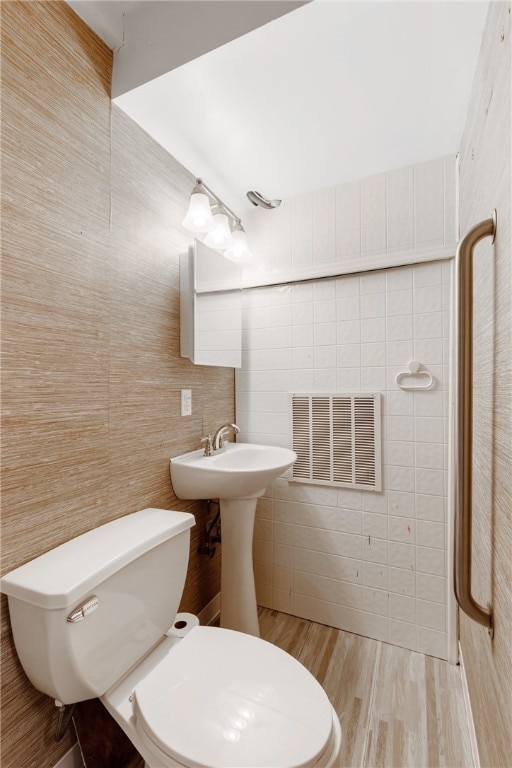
[(464, 420)]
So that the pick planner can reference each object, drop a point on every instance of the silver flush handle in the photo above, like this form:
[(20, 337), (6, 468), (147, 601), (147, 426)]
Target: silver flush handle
[(82, 610)]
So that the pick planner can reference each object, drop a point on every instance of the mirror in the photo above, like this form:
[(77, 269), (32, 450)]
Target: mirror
[(210, 308)]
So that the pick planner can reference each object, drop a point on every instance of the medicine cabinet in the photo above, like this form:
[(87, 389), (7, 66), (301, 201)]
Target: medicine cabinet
[(210, 308)]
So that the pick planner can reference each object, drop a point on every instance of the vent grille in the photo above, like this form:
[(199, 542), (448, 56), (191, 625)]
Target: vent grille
[(337, 440)]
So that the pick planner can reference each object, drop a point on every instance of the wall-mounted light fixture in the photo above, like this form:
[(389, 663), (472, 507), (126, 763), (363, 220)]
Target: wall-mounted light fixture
[(221, 234)]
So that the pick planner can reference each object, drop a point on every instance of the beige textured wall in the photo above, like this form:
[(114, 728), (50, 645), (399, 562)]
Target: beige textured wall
[(90, 324), (486, 184)]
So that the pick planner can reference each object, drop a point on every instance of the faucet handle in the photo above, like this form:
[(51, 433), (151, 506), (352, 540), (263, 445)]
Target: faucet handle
[(208, 448)]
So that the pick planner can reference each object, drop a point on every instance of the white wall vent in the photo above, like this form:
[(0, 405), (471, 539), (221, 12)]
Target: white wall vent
[(337, 439)]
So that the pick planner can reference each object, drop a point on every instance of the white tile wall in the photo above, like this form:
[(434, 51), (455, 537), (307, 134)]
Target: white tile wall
[(403, 209), (370, 563)]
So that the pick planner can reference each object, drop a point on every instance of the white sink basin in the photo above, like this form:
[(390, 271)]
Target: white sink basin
[(240, 470)]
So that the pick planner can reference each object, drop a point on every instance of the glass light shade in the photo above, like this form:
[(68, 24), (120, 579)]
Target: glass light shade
[(199, 216), (239, 251), (220, 237)]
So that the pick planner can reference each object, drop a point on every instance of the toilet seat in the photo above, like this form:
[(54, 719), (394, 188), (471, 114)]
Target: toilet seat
[(224, 699)]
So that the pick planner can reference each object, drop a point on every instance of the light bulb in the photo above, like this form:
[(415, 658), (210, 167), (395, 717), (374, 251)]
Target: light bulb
[(199, 215), (239, 252), (220, 237)]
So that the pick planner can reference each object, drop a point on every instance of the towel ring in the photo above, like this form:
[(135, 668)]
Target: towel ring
[(414, 370)]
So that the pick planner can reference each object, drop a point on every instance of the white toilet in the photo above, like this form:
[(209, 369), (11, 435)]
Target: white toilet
[(89, 619)]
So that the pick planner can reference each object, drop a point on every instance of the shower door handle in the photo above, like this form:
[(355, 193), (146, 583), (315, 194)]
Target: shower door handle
[(464, 420)]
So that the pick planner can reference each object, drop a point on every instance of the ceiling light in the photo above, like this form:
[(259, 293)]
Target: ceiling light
[(220, 237), (222, 234), (199, 215), (239, 251)]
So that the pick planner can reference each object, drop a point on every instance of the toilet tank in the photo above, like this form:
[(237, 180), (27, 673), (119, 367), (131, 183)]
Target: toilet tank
[(121, 583)]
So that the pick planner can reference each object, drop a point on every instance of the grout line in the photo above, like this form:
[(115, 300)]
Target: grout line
[(364, 761)]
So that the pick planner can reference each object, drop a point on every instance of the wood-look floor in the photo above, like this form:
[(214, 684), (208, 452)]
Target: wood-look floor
[(397, 708)]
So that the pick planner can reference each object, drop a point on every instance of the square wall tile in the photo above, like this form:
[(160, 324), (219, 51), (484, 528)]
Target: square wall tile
[(399, 327), (403, 634), (373, 305), (348, 244), (324, 249), (429, 187), (399, 303), (348, 355), (402, 555), (372, 625), (284, 533), (348, 206), (373, 239), (317, 539), (337, 591), (375, 550), (399, 353), (428, 299), (402, 529), (431, 534), (430, 481), (431, 588), (375, 502), (348, 332), (375, 575), (304, 583), (348, 379), (427, 274), (400, 479), (282, 600), (347, 286), (349, 499), (347, 308), (402, 581), (402, 608), (375, 601), (400, 194), (304, 607), (349, 521), (263, 529), (432, 643), (399, 278), (282, 578), (264, 595), (375, 525), (373, 200), (349, 545), (324, 206), (373, 330), (429, 228), (325, 380), (432, 615), (431, 561), (400, 453), (372, 282)]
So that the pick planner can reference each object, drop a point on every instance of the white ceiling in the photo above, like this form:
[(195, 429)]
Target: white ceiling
[(330, 92)]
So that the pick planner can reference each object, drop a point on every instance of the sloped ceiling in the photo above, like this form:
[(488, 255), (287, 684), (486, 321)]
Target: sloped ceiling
[(329, 92)]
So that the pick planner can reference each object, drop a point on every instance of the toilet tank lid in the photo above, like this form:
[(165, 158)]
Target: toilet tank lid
[(67, 573)]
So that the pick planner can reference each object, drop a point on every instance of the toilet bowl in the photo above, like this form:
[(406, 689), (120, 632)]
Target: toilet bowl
[(214, 698), (222, 699)]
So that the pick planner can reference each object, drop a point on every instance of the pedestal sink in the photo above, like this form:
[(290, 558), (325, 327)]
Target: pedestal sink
[(236, 475)]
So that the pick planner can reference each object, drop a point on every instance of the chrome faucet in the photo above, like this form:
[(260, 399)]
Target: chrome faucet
[(219, 437)]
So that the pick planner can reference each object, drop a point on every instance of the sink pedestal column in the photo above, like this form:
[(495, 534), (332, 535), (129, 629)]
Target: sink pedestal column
[(237, 592)]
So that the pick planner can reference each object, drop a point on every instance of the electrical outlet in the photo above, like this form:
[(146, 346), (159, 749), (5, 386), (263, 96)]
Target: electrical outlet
[(186, 402)]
